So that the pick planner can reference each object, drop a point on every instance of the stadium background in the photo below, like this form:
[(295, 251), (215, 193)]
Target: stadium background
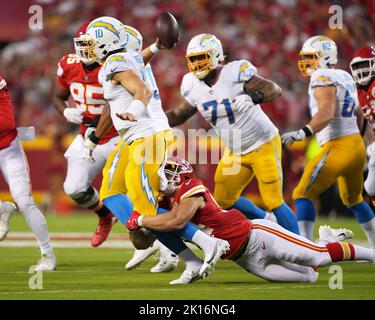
[(268, 33)]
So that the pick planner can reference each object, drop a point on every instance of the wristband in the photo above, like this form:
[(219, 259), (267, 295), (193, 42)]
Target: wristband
[(154, 49), (308, 131), (94, 138), (256, 96), (139, 221)]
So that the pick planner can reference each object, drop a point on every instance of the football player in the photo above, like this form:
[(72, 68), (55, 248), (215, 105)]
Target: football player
[(15, 169), (77, 78), (362, 67), (228, 97), (333, 103), (261, 247), (136, 116)]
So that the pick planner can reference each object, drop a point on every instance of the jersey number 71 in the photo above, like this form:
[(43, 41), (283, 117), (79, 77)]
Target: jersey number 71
[(214, 104)]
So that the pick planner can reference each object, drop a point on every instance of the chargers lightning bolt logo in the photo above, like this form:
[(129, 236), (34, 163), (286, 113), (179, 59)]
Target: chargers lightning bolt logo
[(112, 169), (318, 167), (146, 185)]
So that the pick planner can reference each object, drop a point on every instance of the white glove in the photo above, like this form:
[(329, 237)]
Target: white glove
[(89, 145), (73, 115), (293, 136), (371, 149), (243, 102)]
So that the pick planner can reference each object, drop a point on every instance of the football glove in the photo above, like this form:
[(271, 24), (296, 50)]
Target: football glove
[(73, 115), (243, 102), (90, 143), (299, 135), (134, 222)]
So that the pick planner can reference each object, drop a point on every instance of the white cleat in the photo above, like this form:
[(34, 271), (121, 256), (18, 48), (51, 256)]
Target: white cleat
[(328, 234), (165, 264), (141, 255), (46, 264), (188, 276), (207, 267), (5, 215)]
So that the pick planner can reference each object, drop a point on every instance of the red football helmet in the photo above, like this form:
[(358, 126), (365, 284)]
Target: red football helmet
[(362, 65), (84, 49), (177, 170)]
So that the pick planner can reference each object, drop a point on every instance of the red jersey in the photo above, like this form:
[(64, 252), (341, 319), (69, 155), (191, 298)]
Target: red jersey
[(366, 99), (86, 91), (8, 130), (231, 226)]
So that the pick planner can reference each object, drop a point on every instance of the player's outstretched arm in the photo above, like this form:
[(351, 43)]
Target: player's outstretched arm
[(148, 53), (60, 97), (262, 90), (180, 114)]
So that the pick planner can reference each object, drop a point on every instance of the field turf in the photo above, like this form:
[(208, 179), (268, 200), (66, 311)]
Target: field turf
[(86, 273)]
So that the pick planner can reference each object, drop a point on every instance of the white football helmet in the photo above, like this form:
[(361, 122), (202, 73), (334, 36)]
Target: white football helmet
[(107, 34), (204, 53), (134, 40), (317, 52)]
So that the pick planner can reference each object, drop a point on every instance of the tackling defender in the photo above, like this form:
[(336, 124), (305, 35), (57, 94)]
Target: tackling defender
[(333, 103), (259, 246), (362, 67), (15, 169), (77, 77), (228, 98)]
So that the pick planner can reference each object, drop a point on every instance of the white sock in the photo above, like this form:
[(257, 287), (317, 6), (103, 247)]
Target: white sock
[(38, 225), (165, 253), (362, 253), (191, 260), (369, 229), (306, 229), (204, 241)]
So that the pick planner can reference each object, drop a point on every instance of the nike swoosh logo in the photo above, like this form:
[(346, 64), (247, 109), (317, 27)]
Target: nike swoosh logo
[(263, 246), (212, 257), (342, 234), (113, 70)]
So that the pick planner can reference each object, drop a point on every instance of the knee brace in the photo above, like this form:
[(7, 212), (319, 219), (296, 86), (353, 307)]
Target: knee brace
[(86, 199)]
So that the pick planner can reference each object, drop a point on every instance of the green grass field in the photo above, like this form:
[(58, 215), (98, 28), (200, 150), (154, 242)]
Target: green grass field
[(86, 273)]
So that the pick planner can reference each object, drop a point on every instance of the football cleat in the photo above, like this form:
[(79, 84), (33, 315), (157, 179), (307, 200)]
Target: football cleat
[(103, 229), (165, 264), (47, 263), (141, 255), (188, 276), (210, 260), (328, 234), (5, 215)]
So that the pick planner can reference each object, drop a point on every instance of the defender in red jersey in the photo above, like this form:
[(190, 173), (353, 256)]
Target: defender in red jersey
[(77, 77), (362, 67), (15, 169), (261, 247)]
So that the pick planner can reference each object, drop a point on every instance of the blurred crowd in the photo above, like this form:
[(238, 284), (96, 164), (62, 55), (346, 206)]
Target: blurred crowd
[(268, 33)]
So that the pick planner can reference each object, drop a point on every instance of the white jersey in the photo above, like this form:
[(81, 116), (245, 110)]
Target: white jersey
[(149, 121), (344, 121), (242, 132)]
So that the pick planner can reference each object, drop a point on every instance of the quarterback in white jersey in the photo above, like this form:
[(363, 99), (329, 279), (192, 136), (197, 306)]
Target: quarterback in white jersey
[(333, 103), (228, 97)]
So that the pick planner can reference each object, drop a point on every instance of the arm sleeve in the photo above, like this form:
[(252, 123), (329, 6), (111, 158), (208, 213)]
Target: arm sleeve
[(322, 78), (186, 90), (243, 71)]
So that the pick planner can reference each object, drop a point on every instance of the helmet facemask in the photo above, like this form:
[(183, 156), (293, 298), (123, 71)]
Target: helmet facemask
[(200, 64), (176, 173), (363, 70), (84, 46), (308, 63)]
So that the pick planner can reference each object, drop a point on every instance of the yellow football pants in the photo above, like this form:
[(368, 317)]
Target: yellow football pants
[(264, 163), (340, 160), (134, 170)]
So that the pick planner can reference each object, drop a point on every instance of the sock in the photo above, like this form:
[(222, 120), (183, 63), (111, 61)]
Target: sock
[(249, 209), (365, 217), (286, 218), (120, 206), (165, 253), (204, 241), (103, 211), (172, 241), (342, 251), (306, 217), (191, 260)]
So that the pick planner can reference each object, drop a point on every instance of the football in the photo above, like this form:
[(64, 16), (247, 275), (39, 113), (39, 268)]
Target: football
[(167, 29)]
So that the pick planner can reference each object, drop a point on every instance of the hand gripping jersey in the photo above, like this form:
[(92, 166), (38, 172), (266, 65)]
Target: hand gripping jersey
[(8, 131), (231, 225), (241, 132), (344, 121), (366, 97), (152, 119), (85, 90)]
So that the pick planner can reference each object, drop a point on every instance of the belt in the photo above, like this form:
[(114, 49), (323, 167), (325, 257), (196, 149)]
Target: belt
[(242, 249)]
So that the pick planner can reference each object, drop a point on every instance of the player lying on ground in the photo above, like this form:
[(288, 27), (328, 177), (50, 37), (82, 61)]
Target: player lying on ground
[(77, 76), (261, 247), (15, 169), (362, 67), (136, 116), (228, 96), (333, 103)]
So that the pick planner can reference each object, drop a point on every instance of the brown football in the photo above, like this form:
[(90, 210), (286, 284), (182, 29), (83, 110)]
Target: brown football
[(167, 29)]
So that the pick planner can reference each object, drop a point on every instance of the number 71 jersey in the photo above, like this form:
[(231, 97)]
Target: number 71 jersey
[(344, 122), (241, 130)]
